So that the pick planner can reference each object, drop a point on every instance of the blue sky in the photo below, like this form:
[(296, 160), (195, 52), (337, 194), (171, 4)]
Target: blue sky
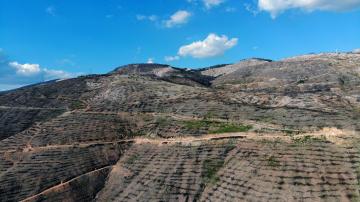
[(47, 39)]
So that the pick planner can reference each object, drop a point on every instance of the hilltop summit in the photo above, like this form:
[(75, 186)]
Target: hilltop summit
[(283, 130)]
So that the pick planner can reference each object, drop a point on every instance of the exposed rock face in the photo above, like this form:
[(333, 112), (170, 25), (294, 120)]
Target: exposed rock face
[(111, 133)]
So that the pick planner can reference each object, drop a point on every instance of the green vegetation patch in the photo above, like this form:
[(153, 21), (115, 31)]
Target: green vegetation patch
[(136, 133), (210, 169), (198, 124), (210, 115), (77, 104), (291, 132), (132, 159), (273, 162), (216, 127), (231, 128), (304, 140), (162, 121)]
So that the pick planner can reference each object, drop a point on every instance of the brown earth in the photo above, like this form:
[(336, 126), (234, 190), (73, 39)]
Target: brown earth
[(259, 130)]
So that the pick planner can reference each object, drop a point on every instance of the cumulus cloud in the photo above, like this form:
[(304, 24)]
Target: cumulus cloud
[(251, 9), (147, 17), (171, 58), (277, 6), (14, 74), (356, 50), (230, 9), (25, 69), (51, 74), (212, 3), (150, 61), (31, 70), (178, 18), (213, 45)]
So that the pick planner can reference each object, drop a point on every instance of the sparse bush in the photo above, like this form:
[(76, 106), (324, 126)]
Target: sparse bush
[(137, 133), (273, 162), (77, 105), (291, 132), (304, 140), (210, 168), (209, 115), (132, 159), (231, 128), (198, 124), (272, 143), (162, 121), (266, 119), (216, 127), (231, 144)]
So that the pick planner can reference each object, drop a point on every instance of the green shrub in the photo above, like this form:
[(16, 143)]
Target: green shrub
[(231, 128), (198, 124), (216, 127), (273, 162), (132, 159), (162, 121), (210, 115), (210, 168), (304, 140), (77, 104)]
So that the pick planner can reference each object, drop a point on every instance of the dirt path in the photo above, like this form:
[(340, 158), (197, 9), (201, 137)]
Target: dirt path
[(333, 135)]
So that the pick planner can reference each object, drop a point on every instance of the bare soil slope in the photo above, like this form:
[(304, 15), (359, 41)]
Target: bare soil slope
[(241, 132)]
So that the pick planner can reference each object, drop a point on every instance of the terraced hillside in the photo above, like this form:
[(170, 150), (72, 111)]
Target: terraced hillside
[(256, 130)]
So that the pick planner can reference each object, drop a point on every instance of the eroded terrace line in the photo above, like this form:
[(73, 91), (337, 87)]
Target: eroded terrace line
[(62, 184)]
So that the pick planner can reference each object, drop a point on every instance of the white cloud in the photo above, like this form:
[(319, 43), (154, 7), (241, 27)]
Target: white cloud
[(150, 61), (251, 9), (152, 17), (141, 17), (50, 74), (230, 9), (34, 70), (25, 69), (277, 6), (356, 51), (147, 17), (213, 45), (171, 58), (212, 3), (14, 74), (179, 18)]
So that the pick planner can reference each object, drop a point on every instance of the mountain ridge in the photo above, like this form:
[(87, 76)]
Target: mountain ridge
[(160, 133)]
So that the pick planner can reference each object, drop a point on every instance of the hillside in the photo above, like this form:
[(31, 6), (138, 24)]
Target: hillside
[(256, 130)]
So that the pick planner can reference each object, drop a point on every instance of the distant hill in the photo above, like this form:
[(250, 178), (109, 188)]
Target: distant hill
[(259, 129)]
